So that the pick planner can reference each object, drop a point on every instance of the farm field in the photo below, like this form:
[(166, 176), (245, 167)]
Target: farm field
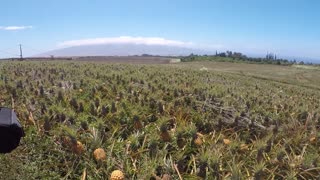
[(302, 75), (197, 120), (106, 59), (126, 59)]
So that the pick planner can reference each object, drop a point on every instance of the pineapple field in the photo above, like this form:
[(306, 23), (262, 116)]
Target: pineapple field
[(90, 120)]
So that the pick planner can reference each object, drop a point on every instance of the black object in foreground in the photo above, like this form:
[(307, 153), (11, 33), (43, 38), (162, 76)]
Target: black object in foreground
[(10, 130)]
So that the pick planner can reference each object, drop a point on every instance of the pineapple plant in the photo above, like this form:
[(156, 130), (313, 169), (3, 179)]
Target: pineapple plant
[(81, 107), (180, 134), (46, 125), (134, 145), (153, 147), (164, 134), (73, 102), (203, 164), (137, 122), (77, 147), (259, 170), (160, 108), (60, 96), (104, 111), (97, 102), (113, 107)]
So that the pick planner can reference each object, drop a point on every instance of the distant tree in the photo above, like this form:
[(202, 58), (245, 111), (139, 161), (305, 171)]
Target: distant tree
[(229, 53), (238, 55), (223, 54), (270, 56)]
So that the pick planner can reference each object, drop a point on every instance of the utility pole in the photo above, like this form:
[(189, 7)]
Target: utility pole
[(21, 57)]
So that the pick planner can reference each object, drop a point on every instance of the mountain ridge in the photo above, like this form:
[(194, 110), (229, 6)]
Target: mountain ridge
[(124, 50)]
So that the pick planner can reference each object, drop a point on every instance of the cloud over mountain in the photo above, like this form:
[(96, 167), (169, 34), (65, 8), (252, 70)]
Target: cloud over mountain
[(129, 45), (126, 40)]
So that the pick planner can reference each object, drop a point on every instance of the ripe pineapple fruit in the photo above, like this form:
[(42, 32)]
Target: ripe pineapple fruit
[(198, 140), (117, 175), (78, 147), (313, 139), (226, 141), (99, 154), (244, 147), (153, 146)]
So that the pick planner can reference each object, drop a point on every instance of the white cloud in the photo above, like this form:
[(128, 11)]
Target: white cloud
[(126, 40), (15, 28)]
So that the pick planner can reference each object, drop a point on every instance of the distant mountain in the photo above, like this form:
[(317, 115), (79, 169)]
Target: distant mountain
[(124, 50)]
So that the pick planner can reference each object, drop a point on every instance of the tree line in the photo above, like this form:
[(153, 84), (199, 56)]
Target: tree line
[(230, 56)]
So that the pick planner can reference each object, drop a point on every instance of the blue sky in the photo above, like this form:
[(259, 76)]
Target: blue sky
[(286, 27)]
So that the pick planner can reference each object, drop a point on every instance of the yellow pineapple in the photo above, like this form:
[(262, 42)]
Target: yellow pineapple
[(99, 154), (226, 141), (78, 148), (198, 141), (244, 147), (117, 175)]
